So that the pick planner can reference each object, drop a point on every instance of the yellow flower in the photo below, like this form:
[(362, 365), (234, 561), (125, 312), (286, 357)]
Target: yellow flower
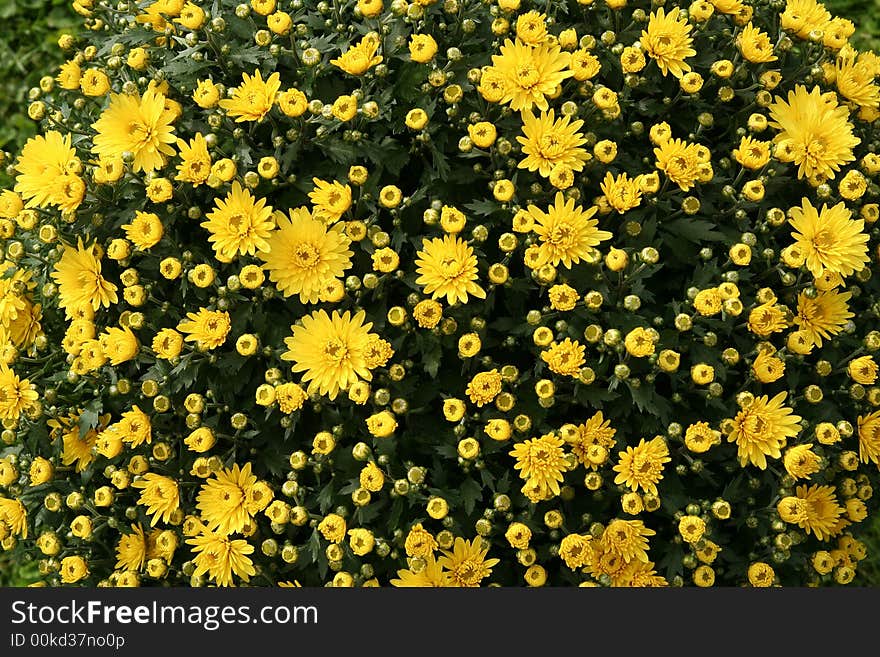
[(303, 254), (16, 395), (14, 514), (94, 82), (119, 344), (869, 437), (253, 98), (801, 462), (431, 575), (621, 192), (206, 94), (823, 316), (627, 539), (568, 233), (755, 45), (73, 569), (699, 437), (766, 319), (145, 230), (549, 142), (639, 342), (863, 370), (382, 424), (159, 494), (141, 126), (584, 65), (331, 200), (447, 267), (200, 440), (79, 279), (667, 41), (69, 75), (422, 48), (641, 467), (483, 134), (195, 165), (131, 550), (565, 358), (344, 107), (333, 528), (680, 162), (767, 368), (330, 350), (482, 390), (529, 74), (207, 328), (815, 132), (466, 564), (752, 153), (762, 429), (167, 343), (223, 499), (854, 78), (541, 462), (46, 175), (358, 59), (221, 558), (372, 479), (829, 238), (239, 224), (814, 509)]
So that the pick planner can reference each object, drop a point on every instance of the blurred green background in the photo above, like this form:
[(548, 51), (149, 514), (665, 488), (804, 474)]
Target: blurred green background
[(29, 50)]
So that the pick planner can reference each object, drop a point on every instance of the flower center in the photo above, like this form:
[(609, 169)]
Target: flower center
[(306, 256), (336, 350)]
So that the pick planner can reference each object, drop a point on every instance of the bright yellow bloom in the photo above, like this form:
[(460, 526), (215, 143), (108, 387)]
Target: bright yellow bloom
[(804, 16), (80, 284), (550, 142), (814, 509), (16, 395), (641, 467), (145, 230), (331, 200), (627, 539), (330, 351), (680, 162), (568, 233), (159, 494), (223, 499), (195, 165), (762, 429), (221, 558), (447, 267), (565, 358), (466, 564), (47, 172), (667, 41), (541, 462), (529, 74), (141, 126), (824, 315), (253, 98), (14, 514), (863, 370), (815, 132), (869, 437), (752, 153), (854, 79), (801, 462), (207, 328), (755, 45), (622, 192), (358, 59), (303, 254), (830, 239), (482, 389), (131, 550), (239, 224)]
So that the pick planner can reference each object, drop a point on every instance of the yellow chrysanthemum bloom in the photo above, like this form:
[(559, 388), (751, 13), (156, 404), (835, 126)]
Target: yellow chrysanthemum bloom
[(330, 351), (131, 550), (824, 315), (621, 192), (79, 279), (529, 74), (303, 254), (813, 508), (145, 230), (752, 153), (767, 368), (830, 238), (431, 575), (207, 328), (195, 164), (159, 494), (541, 461), (762, 429), (804, 16), (568, 233), (141, 126), (253, 98), (680, 161), (47, 169), (854, 79), (16, 395), (641, 467), (814, 132), (627, 540), (331, 199), (447, 267), (221, 558), (565, 358), (482, 389), (239, 224), (863, 370), (223, 499), (466, 564), (667, 41), (801, 462), (360, 58), (755, 45), (548, 142)]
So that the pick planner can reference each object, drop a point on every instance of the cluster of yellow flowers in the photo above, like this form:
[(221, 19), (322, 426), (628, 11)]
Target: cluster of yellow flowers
[(444, 293)]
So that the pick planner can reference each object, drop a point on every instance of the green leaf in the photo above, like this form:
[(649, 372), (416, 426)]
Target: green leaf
[(694, 230), (470, 492)]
